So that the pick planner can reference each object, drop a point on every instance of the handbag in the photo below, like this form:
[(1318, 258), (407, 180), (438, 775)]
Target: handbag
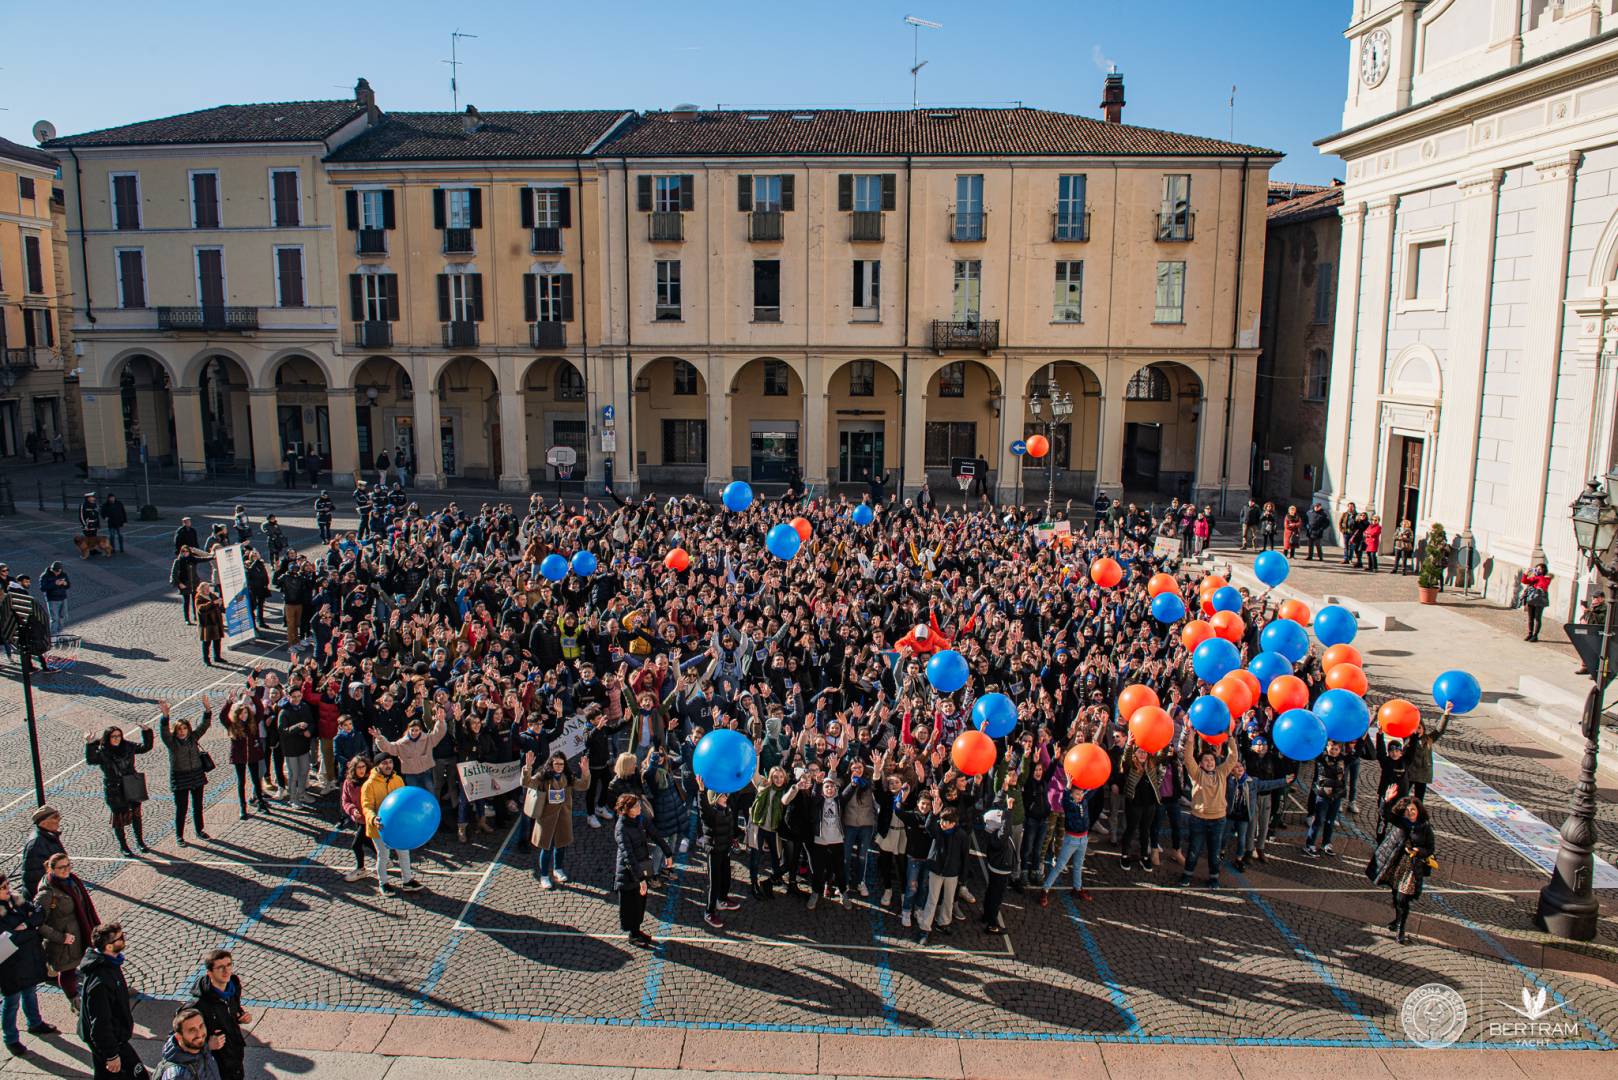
[(207, 761), (1533, 596), (135, 788)]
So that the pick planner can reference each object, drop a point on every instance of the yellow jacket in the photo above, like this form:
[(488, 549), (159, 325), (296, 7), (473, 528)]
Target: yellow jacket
[(376, 788)]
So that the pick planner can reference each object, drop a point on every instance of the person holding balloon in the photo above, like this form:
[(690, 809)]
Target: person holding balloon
[(1419, 754), (381, 783), (1206, 774), (1142, 777), (1244, 795), (1076, 808)]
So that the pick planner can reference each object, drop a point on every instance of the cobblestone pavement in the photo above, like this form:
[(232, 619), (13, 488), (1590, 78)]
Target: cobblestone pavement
[(1292, 953)]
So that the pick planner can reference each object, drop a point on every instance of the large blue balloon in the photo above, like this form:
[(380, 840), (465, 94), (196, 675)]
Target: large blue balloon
[(1167, 607), (1344, 713), (1271, 567), (553, 566), (1299, 735), (783, 541), (584, 563), (947, 671), (863, 514), (1210, 716), (995, 715), (1226, 598), (725, 760), (1285, 637), (1267, 667), (1214, 659), (407, 818), (737, 496), (1459, 690), (1335, 625)]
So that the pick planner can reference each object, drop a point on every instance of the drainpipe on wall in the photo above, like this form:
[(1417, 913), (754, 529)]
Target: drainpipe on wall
[(904, 356), (84, 256), (582, 300), (629, 331)]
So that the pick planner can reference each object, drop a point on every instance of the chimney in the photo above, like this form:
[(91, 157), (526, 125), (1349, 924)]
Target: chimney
[(470, 120), (365, 98), (1112, 97)]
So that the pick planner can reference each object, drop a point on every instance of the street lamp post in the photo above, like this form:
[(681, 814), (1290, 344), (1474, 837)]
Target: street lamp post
[(1567, 904), (1061, 407)]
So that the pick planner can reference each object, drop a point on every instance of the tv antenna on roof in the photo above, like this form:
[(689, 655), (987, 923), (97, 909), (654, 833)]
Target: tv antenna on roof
[(915, 58), (455, 69)]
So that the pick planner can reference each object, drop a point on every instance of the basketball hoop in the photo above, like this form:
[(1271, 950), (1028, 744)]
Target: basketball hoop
[(562, 459), (965, 480), (564, 472)]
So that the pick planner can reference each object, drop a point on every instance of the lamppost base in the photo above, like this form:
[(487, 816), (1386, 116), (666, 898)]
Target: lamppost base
[(1573, 919)]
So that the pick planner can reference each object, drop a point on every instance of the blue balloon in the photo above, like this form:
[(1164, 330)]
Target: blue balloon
[(1226, 598), (1271, 567), (1214, 659), (783, 541), (863, 514), (1457, 689), (1267, 667), (1210, 716), (584, 563), (553, 566), (408, 818), (947, 671), (1335, 625), (1285, 637), (1299, 735), (1344, 714), (737, 496), (995, 715), (725, 760), (1167, 607)]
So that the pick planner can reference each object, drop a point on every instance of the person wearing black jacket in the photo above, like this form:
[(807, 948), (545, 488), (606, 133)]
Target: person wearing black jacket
[(188, 773), (217, 995), (323, 512), (296, 723), (598, 751), (106, 1021), (719, 826), (632, 868), (24, 969), (1331, 780), (1001, 859), (1409, 856), (117, 517), (946, 862), (46, 841), (116, 757)]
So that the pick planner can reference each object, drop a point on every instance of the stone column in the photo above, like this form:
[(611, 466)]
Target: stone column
[(719, 433), (915, 432), (267, 463), (1110, 436), (345, 436), (1369, 358), (812, 439), (514, 432), (1469, 303), (1207, 479), (429, 448), (105, 452), (189, 452), (1344, 339)]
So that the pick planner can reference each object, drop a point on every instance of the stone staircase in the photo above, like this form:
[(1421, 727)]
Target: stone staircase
[(1552, 715)]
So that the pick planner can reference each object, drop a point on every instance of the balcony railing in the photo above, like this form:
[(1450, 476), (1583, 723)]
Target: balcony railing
[(766, 314), (865, 226), (460, 335), (764, 225), (548, 335), (967, 227), (1070, 226), (457, 241), (667, 226), (1175, 226), (371, 242), (373, 335), (19, 359), (547, 241), (667, 313), (950, 335), (210, 319)]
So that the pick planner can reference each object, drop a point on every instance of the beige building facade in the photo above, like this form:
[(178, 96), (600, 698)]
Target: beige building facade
[(34, 406)]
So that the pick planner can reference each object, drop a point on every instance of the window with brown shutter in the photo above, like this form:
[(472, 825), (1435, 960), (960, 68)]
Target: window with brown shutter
[(131, 279), (845, 191), (744, 193), (284, 198), (34, 264), (643, 194), (530, 301), (439, 218), (125, 201), (356, 296), (25, 187), (289, 277), (786, 192), (205, 200), (688, 190)]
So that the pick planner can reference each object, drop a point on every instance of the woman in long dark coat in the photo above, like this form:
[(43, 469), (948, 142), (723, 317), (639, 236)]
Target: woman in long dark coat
[(188, 775), (1405, 857), (116, 757), (210, 623), (22, 971), (632, 868)]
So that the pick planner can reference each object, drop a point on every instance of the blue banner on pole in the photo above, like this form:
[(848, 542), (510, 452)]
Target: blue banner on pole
[(233, 591)]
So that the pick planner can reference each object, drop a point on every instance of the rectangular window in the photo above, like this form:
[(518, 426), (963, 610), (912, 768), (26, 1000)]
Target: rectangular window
[(210, 277), (1170, 293), (968, 289), (766, 290), (1318, 380), (685, 378), (1069, 291), (125, 201), (776, 383), (205, 200), (1070, 220), (373, 209), (33, 264), (668, 290), (685, 442), (862, 378), (378, 296), (38, 328), (458, 208), (25, 187), (553, 297), (867, 289), (548, 208), (289, 277), (952, 380), (1174, 218), (1427, 270), (465, 293), (949, 439), (286, 208), (968, 224), (131, 278), (767, 194), (1323, 292), (668, 194), (868, 193)]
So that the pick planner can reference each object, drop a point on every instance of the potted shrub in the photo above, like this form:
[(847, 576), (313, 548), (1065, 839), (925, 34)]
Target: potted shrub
[(1434, 557)]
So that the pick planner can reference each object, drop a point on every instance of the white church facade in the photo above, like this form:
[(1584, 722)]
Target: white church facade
[(1473, 375)]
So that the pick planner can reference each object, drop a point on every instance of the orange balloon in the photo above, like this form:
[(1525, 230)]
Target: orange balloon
[(1207, 605), (1106, 572), (1038, 446), (1151, 728), (1212, 582), (677, 559), (1228, 625), (1249, 680), (803, 527), (1297, 611), (1288, 692), (1341, 654), (1135, 697), (1234, 692), (1347, 677), (1398, 718), (1194, 633), (1162, 583), (1214, 740), (1087, 765), (972, 752)]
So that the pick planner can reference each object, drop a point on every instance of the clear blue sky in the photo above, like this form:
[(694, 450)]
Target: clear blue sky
[(1179, 58)]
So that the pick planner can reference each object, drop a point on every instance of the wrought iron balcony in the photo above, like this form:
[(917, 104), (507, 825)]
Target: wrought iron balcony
[(457, 241), (547, 241), (951, 335), (865, 226), (548, 335), (667, 226), (764, 225), (460, 335), (1175, 226), (1070, 226), (371, 242), (373, 335), (966, 227), (210, 319), (19, 359)]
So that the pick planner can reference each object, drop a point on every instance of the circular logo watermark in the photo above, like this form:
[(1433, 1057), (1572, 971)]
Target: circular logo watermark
[(1433, 1016)]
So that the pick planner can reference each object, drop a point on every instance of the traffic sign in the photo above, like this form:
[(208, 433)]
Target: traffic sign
[(1019, 448)]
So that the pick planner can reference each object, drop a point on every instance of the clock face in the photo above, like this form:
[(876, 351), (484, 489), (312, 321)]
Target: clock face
[(1375, 50)]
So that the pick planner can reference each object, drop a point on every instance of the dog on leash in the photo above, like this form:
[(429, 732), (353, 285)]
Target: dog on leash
[(91, 545)]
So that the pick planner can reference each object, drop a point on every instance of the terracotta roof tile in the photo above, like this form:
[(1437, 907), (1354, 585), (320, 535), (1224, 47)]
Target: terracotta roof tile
[(1314, 204), (421, 136), (26, 154), (286, 121)]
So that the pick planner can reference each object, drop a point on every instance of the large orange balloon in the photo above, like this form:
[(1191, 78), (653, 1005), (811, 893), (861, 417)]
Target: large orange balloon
[(1398, 718), (1287, 692), (1211, 583), (1234, 692), (1161, 583), (1214, 740), (1151, 728), (1341, 654), (1106, 572), (677, 559), (1297, 611), (1038, 446), (805, 530), (1207, 605), (1347, 677), (1135, 697), (1228, 625), (1249, 680), (1087, 766), (1194, 633), (972, 752)]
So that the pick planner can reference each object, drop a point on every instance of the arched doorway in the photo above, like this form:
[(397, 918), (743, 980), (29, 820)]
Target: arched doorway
[(1162, 407), (1069, 469), (384, 412), (863, 437), (302, 415), (148, 410), (556, 414), (766, 414), (469, 420), (962, 422), (671, 423), (227, 417)]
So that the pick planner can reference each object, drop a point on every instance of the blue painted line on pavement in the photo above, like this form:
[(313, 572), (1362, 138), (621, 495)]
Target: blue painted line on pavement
[(654, 968), (1120, 1000), (884, 965), (462, 925)]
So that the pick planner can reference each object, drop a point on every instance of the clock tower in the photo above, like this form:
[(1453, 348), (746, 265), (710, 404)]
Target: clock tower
[(1381, 43)]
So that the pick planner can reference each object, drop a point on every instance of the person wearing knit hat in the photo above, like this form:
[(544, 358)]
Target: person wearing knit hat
[(46, 841), (1001, 858)]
